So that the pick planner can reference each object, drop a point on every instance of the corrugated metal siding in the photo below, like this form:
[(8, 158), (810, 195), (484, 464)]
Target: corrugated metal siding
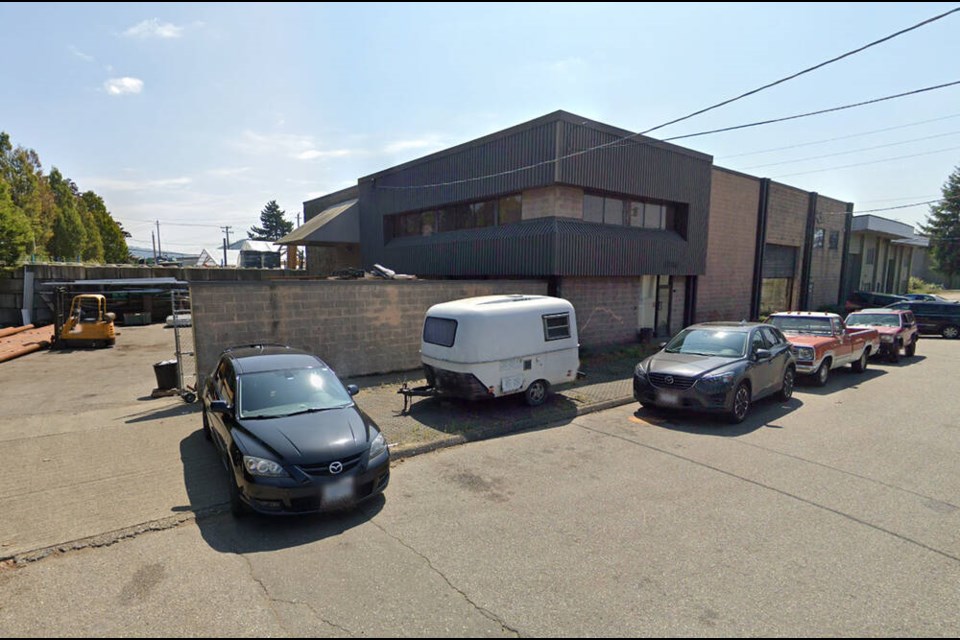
[(588, 249)]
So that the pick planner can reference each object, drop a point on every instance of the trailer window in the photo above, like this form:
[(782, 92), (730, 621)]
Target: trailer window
[(556, 326), (440, 331)]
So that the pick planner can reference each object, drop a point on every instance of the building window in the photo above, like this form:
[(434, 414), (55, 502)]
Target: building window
[(818, 239), (871, 255), (592, 208), (509, 209), (613, 211), (556, 326), (834, 240), (775, 295)]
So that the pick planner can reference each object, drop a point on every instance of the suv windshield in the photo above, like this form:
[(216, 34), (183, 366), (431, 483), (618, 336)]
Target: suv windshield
[(802, 324), (874, 319), (709, 342), (274, 394)]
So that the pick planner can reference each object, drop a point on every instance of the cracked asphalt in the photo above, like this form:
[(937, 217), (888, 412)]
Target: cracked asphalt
[(835, 514)]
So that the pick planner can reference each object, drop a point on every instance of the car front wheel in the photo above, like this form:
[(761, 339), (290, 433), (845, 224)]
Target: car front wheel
[(741, 404), (823, 374), (950, 332), (786, 387), (911, 349)]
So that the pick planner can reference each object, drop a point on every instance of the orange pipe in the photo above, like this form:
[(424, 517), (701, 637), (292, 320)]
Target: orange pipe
[(30, 348), (9, 331)]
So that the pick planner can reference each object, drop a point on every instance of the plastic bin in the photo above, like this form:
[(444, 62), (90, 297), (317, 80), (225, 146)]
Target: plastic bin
[(167, 374)]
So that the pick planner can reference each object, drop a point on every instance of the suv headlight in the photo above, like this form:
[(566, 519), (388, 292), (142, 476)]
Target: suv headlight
[(639, 371), (805, 353), (717, 381), (263, 468), (886, 338), (378, 446)]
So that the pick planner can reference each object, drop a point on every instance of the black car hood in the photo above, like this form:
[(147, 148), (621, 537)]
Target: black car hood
[(686, 364), (310, 437)]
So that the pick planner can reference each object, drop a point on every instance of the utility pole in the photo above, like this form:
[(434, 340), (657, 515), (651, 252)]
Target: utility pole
[(153, 241), (226, 230), (159, 250), (224, 252)]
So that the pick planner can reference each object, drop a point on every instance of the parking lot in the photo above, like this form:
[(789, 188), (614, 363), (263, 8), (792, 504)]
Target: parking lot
[(835, 513)]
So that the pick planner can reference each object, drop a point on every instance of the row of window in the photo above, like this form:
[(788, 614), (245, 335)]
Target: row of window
[(818, 236), (488, 213), (507, 210)]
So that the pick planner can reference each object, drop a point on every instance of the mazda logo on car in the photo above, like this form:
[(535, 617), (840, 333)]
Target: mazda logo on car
[(668, 379), (336, 467)]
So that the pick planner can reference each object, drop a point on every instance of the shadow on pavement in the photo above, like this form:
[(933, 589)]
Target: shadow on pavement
[(206, 484), (842, 378), (904, 361), (178, 409), (763, 414)]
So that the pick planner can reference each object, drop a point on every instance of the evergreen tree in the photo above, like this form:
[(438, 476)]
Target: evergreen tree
[(943, 227), (16, 236), (274, 225), (112, 235), (69, 235)]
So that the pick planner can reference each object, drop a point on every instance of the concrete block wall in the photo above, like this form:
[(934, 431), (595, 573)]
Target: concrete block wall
[(787, 225), (725, 290), (358, 327), (606, 309), (826, 263)]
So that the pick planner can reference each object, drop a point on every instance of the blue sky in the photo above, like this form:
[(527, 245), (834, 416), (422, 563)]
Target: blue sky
[(197, 115)]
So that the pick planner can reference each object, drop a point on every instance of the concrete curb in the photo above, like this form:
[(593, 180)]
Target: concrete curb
[(403, 452)]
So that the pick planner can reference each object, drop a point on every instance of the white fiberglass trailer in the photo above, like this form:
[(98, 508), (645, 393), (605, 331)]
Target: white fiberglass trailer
[(494, 346)]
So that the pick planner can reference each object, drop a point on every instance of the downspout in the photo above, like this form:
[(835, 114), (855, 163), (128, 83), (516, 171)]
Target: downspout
[(845, 289), (762, 211), (805, 271)]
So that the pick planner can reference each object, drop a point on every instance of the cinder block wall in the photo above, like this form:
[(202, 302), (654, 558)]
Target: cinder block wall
[(826, 263), (606, 309), (724, 291), (787, 225), (358, 327)]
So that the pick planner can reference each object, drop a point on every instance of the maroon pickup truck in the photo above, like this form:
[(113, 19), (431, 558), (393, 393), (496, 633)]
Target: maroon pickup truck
[(823, 342), (897, 329)]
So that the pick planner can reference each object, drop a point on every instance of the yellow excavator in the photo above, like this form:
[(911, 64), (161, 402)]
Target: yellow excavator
[(88, 324)]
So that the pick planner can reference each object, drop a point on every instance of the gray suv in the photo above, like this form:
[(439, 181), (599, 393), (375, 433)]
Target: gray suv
[(719, 367)]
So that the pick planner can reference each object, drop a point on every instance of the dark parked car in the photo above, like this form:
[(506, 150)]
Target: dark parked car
[(925, 297), (289, 433), (868, 299), (934, 318), (717, 367)]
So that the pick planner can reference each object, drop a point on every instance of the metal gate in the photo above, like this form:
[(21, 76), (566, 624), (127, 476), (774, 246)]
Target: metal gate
[(182, 320)]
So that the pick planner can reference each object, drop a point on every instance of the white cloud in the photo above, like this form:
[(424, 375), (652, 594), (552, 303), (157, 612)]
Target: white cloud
[(227, 172), (134, 185), (301, 147), (313, 154), (430, 143), (154, 29), (120, 86), (80, 54)]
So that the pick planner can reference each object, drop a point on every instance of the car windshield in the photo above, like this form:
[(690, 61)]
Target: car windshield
[(274, 394), (709, 342), (802, 324), (873, 320)]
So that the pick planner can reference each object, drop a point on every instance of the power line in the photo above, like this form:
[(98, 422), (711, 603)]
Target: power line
[(825, 140), (861, 164), (623, 140), (848, 152), (805, 71)]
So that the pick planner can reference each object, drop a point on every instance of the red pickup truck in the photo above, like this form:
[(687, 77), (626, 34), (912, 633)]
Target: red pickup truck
[(897, 329), (823, 342)]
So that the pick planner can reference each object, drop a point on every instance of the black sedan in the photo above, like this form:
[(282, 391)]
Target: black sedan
[(717, 367), (289, 433)]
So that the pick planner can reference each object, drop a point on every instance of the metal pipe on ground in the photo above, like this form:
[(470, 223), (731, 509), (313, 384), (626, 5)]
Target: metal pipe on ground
[(24, 350), (9, 331)]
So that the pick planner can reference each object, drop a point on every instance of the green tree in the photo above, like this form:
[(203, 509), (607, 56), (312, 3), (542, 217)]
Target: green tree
[(29, 190), (112, 235), (16, 236), (943, 227), (274, 225), (69, 235)]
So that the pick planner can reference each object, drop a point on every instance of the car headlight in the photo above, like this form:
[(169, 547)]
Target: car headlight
[(718, 380), (639, 371), (262, 467), (378, 446), (805, 353), (886, 338)]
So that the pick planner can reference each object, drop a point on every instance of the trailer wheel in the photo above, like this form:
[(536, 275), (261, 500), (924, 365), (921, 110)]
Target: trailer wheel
[(536, 393)]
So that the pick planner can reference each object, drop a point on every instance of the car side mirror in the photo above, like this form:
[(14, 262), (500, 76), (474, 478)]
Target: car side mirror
[(353, 389), (220, 406), (763, 354)]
